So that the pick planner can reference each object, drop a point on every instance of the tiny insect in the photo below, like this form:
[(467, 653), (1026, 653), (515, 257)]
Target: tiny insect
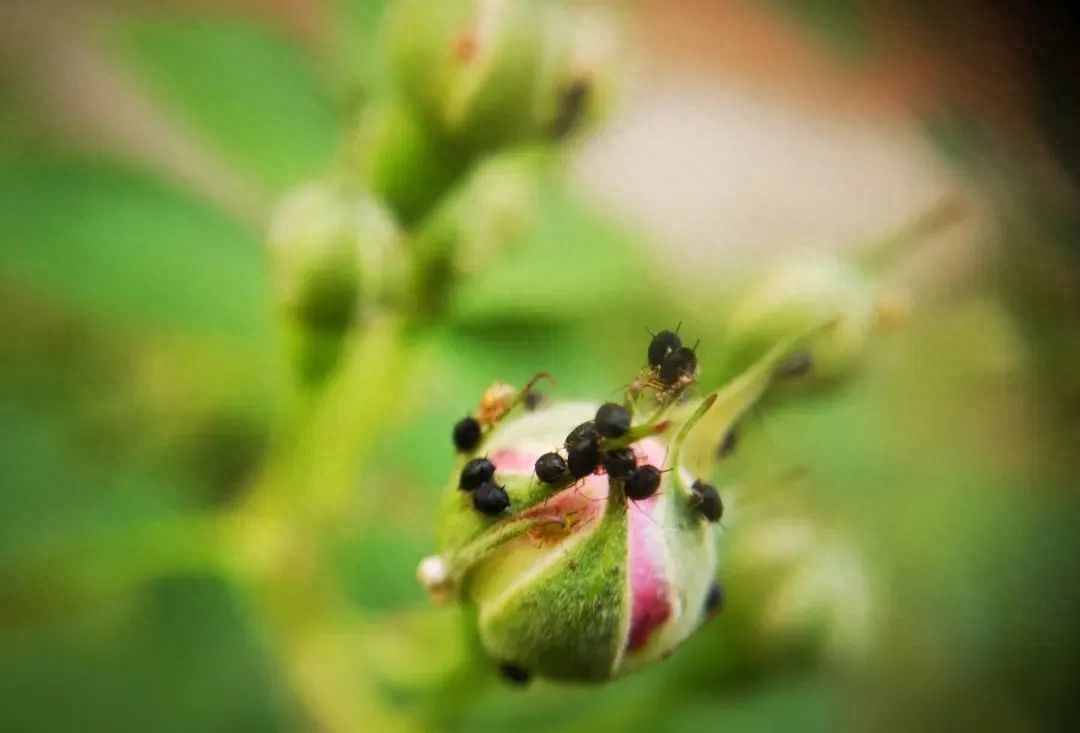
[(714, 600), (494, 403), (583, 449), (619, 463), (642, 483), (514, 674), (708, 500), (476, 472), (612, 420), (679, 367), (661, 345), (551, 468), (797, 365), (572, 102), (491, 499), (728, 443), (533, 400), (466, 434)]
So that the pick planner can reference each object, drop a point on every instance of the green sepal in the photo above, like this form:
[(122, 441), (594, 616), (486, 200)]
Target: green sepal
[(569, 619)]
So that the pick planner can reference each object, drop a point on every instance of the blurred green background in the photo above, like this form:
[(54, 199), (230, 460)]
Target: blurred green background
[(910, 555)]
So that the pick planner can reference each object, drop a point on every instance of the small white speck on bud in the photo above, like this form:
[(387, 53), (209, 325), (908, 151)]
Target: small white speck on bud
[(434, 576)]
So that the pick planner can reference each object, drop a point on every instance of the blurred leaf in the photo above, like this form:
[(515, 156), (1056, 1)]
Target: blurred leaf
[(121, 245), (181, 659), (256, 96), (576, 265)]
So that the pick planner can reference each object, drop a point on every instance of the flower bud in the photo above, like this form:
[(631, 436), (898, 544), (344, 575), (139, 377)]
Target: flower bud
[(804, 589), (579, 70), (472, 69), (401, 164), (599, 557), (579, 584), (333, 255), (794, 297)]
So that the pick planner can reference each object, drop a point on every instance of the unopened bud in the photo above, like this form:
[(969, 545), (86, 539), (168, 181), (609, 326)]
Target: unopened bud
[(470, 68), (333, 255), (793, 298)]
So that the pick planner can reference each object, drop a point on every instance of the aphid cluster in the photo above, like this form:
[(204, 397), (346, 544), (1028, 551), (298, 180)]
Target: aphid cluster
[(604, 443), (478, 477), (613, 443)]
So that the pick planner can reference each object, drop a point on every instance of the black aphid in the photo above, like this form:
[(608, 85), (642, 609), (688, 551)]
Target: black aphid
[(642, 483), (490, 499), (466, 434), (476, 472), (551, 468), (612, 420), (679, 365), (583, 449), (714, 600), (709, 501), (797, 365), (573, 99), (533, 400), (619, 463), (514, 674), (728, 443), (661, 345)]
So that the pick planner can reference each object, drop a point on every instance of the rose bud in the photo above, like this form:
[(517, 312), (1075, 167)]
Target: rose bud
[(471, 68), (605, 562)]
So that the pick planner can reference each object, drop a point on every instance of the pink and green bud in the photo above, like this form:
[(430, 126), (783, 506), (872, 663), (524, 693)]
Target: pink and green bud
[(585, 585), (570, 578)]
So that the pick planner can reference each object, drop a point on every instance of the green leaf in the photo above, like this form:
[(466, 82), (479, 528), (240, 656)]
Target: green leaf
[(118, 244), (253, 94)]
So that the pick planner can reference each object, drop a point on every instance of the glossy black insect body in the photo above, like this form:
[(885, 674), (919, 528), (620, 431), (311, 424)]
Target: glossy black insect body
[(490, 499), (514, 674), (709, 501), (642, 483), (551, 468), (661, 345), (466, 434), (583, 450), (679, 365), (476, 472), (619, 463), (612, 420)]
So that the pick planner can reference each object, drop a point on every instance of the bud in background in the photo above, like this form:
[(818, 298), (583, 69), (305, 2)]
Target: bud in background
[(791, 298), (849, 293), (800, 591), (401, 164), (334, 254), (477, 72)]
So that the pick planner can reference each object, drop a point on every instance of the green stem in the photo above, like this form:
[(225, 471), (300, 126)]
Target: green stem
[(304, 493)]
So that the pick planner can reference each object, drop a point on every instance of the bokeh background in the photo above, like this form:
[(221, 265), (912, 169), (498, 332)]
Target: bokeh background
[(913, 560)]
